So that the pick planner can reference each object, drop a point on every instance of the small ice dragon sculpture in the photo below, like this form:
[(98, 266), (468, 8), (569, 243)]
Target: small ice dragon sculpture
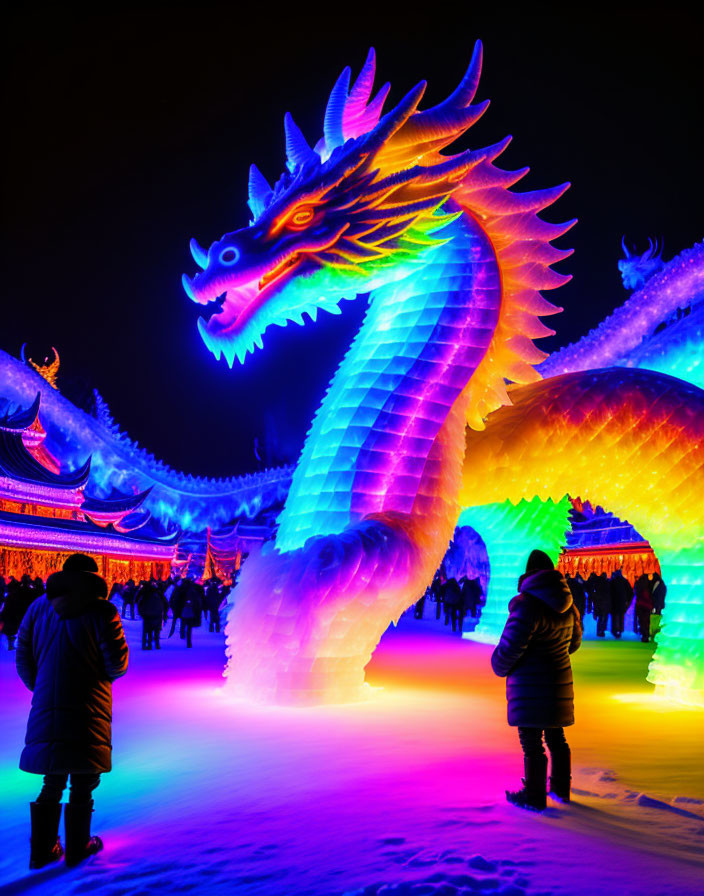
[(453, 262), (644, 330), (636, 269)]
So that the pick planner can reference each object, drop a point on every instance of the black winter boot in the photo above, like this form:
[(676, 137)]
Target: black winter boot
[(560, 776), (79, 843), (45, 846), (533, 795)]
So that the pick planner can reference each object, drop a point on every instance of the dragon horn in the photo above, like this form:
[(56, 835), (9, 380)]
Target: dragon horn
[(335, 111), (625, 247), (200, 256), (650, 251), (297, 149), (260, 192)]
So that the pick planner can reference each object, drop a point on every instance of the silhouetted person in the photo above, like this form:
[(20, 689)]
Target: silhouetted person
[(659, 593), (27, 593), (437, 590), (115, 593), (452, 599), (590, 586), (471, 596), (644, 605), (150, 608), (197, 594), (621, 597), (578, 591), (176, 602), (71, 648), (129, 592), (188, 616), (542, 630), (602, 603), (12, 612), (213, 599)]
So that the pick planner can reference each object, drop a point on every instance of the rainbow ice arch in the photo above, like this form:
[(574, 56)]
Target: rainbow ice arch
[(443, 408)]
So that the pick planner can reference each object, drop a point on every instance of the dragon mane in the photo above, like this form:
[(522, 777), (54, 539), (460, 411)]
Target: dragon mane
[(388, 177)]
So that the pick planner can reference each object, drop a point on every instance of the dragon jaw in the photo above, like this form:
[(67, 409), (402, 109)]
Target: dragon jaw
[(245, 311)]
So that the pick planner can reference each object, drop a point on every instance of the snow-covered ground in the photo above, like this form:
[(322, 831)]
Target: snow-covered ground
[(402, 794)]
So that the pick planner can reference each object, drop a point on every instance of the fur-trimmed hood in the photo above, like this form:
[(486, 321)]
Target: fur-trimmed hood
[(548, 585)]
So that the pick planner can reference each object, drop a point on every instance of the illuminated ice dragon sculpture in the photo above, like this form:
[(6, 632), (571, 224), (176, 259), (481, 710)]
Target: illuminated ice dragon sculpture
[(453, 262)]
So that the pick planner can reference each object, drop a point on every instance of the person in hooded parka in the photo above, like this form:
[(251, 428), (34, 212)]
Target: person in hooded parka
[(542, 630), (70, 649)]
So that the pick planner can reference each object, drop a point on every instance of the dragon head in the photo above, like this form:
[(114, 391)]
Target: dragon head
[(358, 209), (637, 269)]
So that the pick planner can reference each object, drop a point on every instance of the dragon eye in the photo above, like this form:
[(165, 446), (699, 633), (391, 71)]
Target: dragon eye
[(229, 255), (301, 218)]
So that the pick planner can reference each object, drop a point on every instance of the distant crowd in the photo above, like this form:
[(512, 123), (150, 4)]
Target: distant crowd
[(183, 599), (610, 598), (15, 599), (453, 597), (186, 602), (606, 598)]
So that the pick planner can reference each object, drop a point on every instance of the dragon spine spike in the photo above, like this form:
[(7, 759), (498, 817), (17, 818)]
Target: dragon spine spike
[(357, 117), (335, 110), (298, 152), (260, 192)]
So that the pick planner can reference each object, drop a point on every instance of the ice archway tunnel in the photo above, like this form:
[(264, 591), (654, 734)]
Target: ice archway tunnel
[(629, 440)]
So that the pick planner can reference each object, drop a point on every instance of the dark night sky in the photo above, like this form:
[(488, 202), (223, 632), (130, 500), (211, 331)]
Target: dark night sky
[(126, 133)]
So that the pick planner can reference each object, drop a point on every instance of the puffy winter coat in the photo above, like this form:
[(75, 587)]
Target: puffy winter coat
[(71, 647), (601, 595), (12, 611), (452, 593), (213, 598), (621, 594), (542, 630), (150, 605)]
